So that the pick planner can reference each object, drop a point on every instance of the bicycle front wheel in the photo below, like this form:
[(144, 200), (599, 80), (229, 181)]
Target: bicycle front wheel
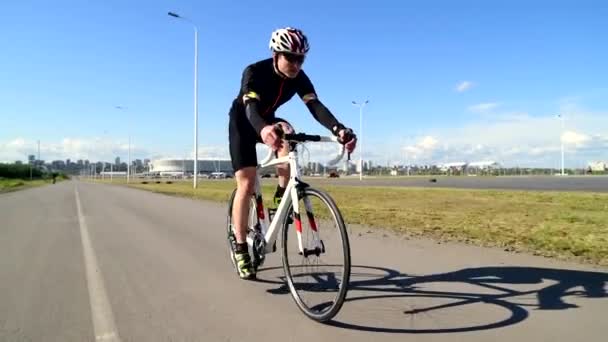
[(318, 270)]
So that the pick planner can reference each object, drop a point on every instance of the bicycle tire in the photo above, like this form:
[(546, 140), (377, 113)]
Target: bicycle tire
[(230, 234), (325, 312)]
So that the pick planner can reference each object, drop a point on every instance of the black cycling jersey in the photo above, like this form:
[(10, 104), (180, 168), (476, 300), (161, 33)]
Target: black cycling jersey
[(262, 91), (266, 90)]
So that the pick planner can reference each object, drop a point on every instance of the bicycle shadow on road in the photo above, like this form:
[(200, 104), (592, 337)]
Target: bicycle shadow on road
[(510, 289)]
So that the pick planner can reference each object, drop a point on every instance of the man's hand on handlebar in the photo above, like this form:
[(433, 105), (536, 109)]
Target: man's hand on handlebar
[(272, 136), (347, 137)]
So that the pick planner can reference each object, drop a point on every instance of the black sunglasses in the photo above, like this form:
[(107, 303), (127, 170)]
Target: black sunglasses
[(291, 58)]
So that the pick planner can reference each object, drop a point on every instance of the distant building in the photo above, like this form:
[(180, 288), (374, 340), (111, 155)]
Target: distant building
[(58, 165), (483, 165), (317, 167), (598, 166), (467, 167), (114, 173), (456, 166), (186, 166)]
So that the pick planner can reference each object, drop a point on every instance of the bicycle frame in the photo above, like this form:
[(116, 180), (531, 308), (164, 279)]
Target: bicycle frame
[(290, 197)]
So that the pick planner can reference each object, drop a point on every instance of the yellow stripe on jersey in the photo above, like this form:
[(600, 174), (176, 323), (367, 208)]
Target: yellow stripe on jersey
[(309, 97), (251, 96)]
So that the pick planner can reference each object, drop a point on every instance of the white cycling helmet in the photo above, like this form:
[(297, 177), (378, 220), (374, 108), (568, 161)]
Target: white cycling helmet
[(289, 40)]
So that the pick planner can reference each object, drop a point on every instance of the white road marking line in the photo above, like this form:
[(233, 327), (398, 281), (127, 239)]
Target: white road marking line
[(101, 312)]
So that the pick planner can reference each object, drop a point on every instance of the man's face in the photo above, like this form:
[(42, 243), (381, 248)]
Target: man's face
[(290, 64)]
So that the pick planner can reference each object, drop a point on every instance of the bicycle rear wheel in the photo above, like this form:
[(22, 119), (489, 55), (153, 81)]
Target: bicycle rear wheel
[(318, 278), (252, 224)]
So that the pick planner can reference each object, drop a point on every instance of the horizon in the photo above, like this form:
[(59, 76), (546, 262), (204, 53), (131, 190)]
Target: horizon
[(353, 164)]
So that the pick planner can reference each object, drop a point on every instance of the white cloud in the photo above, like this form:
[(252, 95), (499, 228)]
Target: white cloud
[(428, 143), (213, 152), (16, 144), (316, 152), (14, 150), (309, 152), (516, 138), (464, 86), (574, 138), (511, 138), (423, 149), (69, 148), (106, 149), (539, 151), (483, 107)]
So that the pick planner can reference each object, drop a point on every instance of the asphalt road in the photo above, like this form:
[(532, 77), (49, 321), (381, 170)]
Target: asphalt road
[(544, 183), (92, 262)]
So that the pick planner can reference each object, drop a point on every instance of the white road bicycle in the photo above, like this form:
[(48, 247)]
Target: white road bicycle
[(314, 239)]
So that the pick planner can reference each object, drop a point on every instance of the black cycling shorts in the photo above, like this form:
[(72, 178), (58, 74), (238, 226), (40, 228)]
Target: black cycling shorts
[(243, 139)]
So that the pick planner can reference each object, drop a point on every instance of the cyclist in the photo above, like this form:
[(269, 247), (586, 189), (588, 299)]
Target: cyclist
[(265, 86)]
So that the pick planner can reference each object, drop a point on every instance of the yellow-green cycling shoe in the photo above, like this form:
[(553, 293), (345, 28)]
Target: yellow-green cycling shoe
[(244, 266)]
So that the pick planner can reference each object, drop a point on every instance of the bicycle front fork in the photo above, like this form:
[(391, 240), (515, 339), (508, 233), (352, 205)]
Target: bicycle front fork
[(316, 246)]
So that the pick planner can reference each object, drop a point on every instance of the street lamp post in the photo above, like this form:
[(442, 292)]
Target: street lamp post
[(360, 105), (175, 15), (561, 138), (129, 148), (129, 161)]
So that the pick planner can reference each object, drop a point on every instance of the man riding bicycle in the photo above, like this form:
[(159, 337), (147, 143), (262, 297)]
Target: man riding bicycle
[(265, 86)]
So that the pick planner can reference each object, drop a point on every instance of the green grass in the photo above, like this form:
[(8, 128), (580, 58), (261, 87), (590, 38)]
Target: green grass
[(566, 225), (7, 185)]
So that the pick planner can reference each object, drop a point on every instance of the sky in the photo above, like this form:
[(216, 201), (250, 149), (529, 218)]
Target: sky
[(447, 81)]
